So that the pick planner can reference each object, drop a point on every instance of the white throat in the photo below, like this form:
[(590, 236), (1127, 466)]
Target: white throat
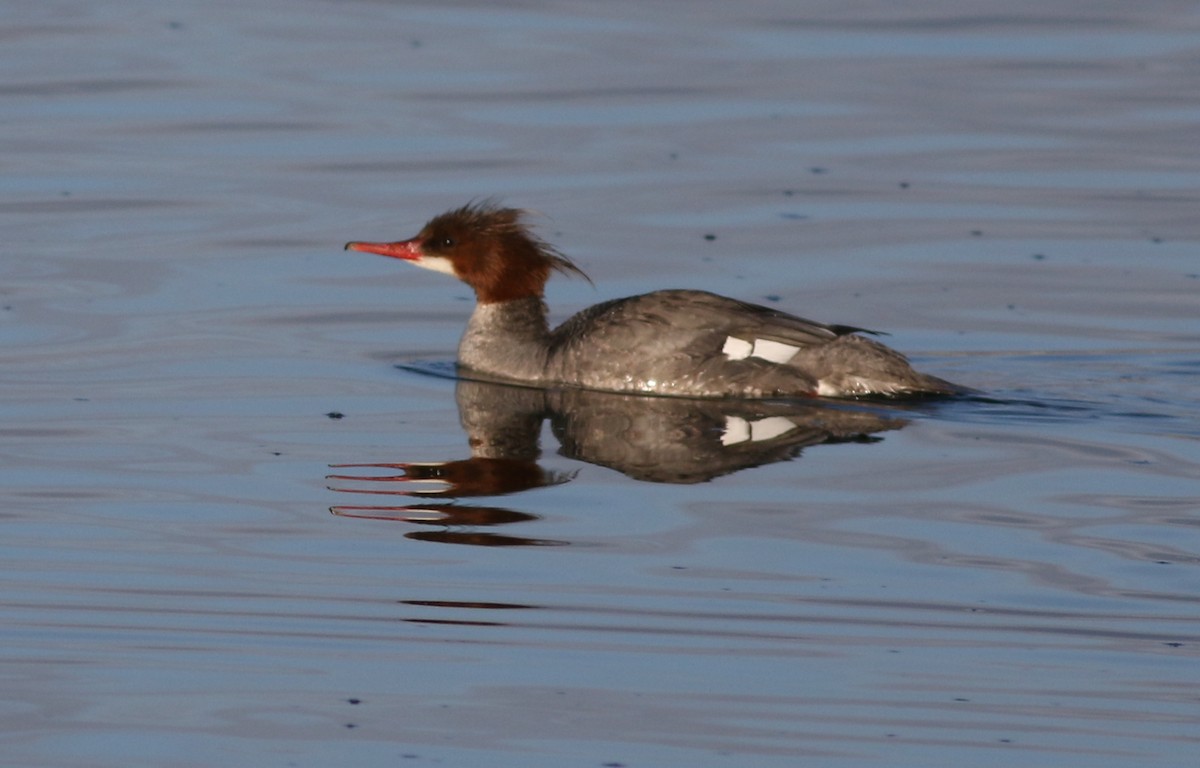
[(436, 263)]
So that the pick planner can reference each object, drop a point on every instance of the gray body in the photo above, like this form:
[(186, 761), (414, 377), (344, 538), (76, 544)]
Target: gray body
[(685, 344)]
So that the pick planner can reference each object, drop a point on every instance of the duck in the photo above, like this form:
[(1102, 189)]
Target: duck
[(673, 342)]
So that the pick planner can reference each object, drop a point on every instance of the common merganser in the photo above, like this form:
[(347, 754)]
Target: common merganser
[(680, 343)]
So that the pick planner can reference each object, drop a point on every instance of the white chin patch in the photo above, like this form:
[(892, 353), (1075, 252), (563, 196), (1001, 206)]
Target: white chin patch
[(437, 264), (771, 351), (739, 430)]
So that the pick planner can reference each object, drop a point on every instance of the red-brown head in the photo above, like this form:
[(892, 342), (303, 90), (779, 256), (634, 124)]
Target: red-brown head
[(487, 247)]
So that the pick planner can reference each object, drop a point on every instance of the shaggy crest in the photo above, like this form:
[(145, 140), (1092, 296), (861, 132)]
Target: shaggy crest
[(488, 219)]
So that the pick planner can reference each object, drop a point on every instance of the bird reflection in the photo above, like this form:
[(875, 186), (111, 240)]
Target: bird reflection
[(651, 439)]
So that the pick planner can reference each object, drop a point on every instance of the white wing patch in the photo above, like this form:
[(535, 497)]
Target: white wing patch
[(774, 351), (736, 349), (739, 430), (771, 351)]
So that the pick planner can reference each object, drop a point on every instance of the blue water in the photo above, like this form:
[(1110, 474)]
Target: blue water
[(187, 356)]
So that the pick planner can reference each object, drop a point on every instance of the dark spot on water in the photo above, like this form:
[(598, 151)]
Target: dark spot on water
[(174, 25), (1173, 645), (414, 43), (1156, 240), (354, 701), (336, 415), (351, 725), (961, 699), (710, 237), (673, 156), (904, 185), (818, 170), (613, 765), (789, 192), (976, 233), (793, 216), (771, 297), (1039, 257)]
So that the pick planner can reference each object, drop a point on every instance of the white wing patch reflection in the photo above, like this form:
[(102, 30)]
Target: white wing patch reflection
[(739, 430)]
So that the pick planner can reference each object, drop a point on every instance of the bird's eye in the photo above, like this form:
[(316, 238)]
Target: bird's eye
[(445, 242)]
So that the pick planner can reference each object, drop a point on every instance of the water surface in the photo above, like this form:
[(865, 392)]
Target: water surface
[(1009, 189)]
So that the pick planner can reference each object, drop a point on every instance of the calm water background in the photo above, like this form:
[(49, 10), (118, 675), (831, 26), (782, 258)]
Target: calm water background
[(1011, 188)]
